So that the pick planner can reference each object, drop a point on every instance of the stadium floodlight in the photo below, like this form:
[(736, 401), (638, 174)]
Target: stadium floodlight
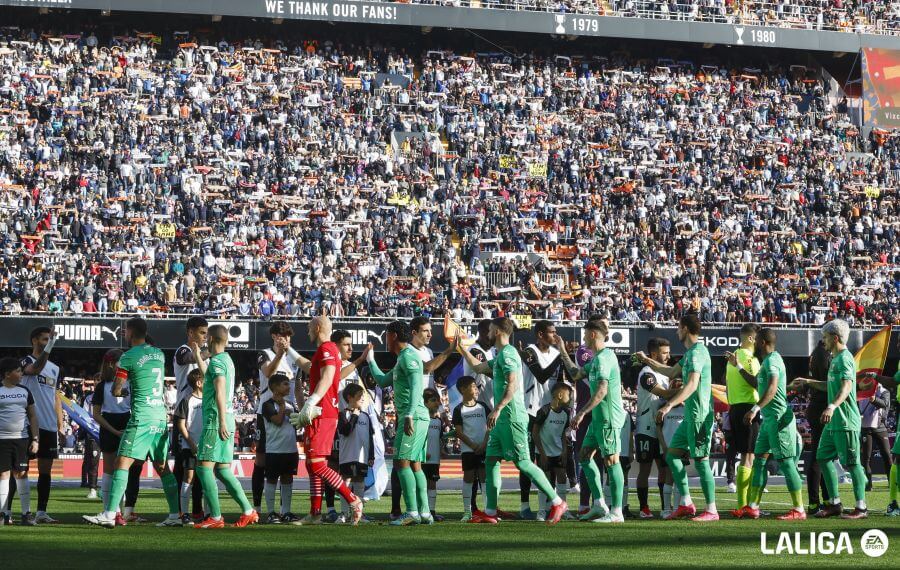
[(277, 21), (216, 18), (105, 13)]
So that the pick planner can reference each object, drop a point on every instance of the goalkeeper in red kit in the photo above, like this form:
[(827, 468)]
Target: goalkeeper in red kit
[(319, 416)]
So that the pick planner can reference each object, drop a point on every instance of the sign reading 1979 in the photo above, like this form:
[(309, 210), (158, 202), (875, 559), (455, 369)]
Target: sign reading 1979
[(764, 37), (585, 25)]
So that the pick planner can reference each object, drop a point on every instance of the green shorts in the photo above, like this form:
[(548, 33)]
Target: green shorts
[(213, 448), (142, 440), (605, 439), (778, 437), (840, 444), (693, 437), (509, 441), (412, 447)]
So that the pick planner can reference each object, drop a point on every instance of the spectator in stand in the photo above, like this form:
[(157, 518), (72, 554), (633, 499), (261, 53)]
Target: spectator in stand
[(227, 178)]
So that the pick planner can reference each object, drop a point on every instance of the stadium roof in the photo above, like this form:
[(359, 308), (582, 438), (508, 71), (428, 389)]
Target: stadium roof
[(403, 14)]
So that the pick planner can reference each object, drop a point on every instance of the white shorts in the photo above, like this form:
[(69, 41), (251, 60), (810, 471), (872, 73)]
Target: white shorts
[(671, 422)]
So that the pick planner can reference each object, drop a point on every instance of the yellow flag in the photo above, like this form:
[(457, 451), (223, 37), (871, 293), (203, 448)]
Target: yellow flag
[(871, 357), (453, 330)]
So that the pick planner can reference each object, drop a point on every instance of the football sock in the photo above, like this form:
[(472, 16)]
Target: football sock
[(707, 484), (679, 476), (539, 479), (185, 496), (467, 497), (24, 494), (43, 491), (858, 475), (592, 476), (492, 487), (421, 492), (744, 474), (894, 484), (233, 486), (258, 483), (616, 485), (210, 490), (269, 493), (408, 485), (116, 491), (287, 495), (829, 473), (170, 488)]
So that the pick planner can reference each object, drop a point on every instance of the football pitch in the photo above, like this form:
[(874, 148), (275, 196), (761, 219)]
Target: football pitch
[(451, 544)]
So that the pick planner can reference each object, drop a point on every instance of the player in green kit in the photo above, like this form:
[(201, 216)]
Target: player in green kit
[(508, 424), (778, 432), (410, 443), (216, 447), (890, 382), (694, 436), (147, 433), (842, 421), (607, 420)]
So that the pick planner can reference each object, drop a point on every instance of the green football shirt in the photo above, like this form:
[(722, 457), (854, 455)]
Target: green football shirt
[(604, 368), (843, 369), (219, 365), (773, 370), (145, 366), (506, 362), (698, 406), (407, 378)]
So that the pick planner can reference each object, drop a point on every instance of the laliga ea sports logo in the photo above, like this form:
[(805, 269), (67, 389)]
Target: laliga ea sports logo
[(874, 543), (560, 24)]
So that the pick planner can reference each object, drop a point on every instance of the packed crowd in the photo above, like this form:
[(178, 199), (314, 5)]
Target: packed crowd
[(178, 174), (856, 16)]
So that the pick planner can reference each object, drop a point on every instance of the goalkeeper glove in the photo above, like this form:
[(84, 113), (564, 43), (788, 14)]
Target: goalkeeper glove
[(307, 414)]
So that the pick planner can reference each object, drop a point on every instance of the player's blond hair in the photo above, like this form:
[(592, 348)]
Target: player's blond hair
[(838, 328)]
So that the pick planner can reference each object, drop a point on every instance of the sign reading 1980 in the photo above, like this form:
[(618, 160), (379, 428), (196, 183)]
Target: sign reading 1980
[(754, 36)]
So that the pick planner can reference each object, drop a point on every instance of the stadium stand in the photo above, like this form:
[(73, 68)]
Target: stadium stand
[(180, 173)]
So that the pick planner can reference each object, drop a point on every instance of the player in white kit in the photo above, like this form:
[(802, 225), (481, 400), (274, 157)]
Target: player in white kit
[(280, 359), (484, 351), (183, 363), (41, 377), (652, 392)]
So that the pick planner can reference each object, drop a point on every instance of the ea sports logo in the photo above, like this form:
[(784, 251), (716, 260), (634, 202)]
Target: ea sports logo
[(874, 543)]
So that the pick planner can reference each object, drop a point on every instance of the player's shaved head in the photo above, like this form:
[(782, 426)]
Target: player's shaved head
[(218, 334), (320, 329)]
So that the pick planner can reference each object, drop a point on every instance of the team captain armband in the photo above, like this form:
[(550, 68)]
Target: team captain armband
[(648, 381), (122, 373)]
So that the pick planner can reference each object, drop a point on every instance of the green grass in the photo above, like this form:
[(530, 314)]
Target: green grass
[(660, 544)]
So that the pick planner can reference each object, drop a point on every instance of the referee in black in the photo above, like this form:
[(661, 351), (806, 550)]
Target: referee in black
[(819, 361)]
